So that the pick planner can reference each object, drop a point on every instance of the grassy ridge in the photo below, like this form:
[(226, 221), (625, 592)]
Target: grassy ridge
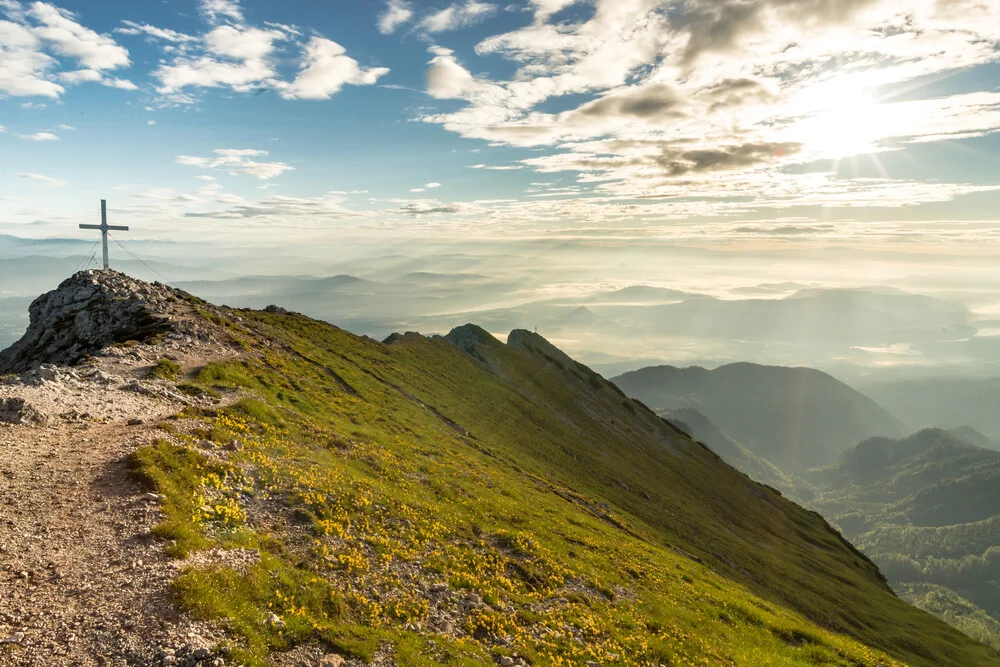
[(462, 509)]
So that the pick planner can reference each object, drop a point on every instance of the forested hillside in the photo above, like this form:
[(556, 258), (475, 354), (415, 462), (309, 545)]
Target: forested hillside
[(927, 509)]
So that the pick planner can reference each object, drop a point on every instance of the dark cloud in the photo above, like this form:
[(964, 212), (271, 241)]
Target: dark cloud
[(421, 209), (678, 163), (786, 230), (646, 102), (736, 92), (720, 25), (275, 208)]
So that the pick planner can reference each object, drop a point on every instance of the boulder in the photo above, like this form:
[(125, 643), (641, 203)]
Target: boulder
[(18, 411), (88, 312)]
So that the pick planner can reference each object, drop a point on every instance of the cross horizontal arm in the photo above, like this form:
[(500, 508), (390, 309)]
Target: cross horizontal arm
[(116, 228)]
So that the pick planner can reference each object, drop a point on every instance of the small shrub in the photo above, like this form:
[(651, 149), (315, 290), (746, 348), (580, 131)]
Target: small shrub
[(164, 369), (195, 391)]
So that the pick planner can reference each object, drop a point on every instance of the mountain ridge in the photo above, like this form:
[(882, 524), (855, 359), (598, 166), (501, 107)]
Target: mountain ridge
[(322, 496), (794, 417)]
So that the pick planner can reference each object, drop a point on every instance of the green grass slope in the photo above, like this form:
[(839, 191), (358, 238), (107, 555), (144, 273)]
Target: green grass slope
[(736, 454), (794, 417), (460, 500)]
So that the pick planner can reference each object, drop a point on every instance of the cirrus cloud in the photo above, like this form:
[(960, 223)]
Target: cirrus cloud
[(238, 161)]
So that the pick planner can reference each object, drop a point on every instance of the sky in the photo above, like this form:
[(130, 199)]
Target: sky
[(286, 122), (558, 147)]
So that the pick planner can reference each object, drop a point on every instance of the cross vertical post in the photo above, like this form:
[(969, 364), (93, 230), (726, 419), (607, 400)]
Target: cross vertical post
[(104, 227), (104, 230)]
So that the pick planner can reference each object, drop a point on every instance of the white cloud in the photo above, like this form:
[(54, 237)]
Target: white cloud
[(238, 161), (34, 47), (67, 128), (12, 8), (121, 84), (238, 57), (39, 136), (23, 66), (2, 129), (208, 72), (80, 76), (546, 8), (426, 187), (325, 70), (712, 100), (69, 38), (133, 28), (245, 59), (510, 167), (220, 10), (150, 122), (242, 43), (448, 79), (396, 13), (457, 15), (76, 77), (46, 181)]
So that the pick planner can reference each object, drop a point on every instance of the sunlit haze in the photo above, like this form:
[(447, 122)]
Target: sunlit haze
[(519, 163)]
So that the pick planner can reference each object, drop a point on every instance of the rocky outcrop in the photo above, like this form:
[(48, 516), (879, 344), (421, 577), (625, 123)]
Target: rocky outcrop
[(469, 338), (19, 411), (86, 313)]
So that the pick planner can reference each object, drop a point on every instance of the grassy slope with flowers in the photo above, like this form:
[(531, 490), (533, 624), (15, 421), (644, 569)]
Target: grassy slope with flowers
[(570, 523)]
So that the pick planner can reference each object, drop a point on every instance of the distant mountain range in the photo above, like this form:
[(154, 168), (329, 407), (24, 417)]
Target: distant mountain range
[(795, 418), (736, 453), (943, 402), (848, 332)]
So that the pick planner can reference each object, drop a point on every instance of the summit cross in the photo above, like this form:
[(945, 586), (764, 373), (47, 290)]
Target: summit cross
[(105, 227)]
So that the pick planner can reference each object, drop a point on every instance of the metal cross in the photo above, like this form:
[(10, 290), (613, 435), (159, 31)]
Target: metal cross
[(104, 227)]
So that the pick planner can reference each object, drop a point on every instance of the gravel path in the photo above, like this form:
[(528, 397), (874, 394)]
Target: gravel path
[(82, 579)]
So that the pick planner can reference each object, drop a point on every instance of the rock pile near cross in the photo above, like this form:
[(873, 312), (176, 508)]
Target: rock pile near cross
[(86, 313)]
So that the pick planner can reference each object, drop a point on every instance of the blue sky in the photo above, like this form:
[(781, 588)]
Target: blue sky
[(295, 122)]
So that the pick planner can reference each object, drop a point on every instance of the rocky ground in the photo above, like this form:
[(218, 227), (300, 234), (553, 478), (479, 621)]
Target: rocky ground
[(82, 579)]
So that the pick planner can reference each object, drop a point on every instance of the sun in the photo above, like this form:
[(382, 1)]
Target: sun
[(841, 120)]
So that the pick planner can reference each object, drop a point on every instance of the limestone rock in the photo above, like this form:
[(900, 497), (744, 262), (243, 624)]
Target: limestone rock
[(89, 311), (18, 411)]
